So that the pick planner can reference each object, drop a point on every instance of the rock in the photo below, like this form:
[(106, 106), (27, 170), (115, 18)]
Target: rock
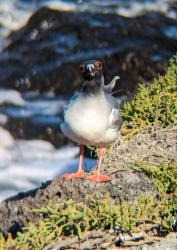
[(25, 128), (134, 48), (17, 211)]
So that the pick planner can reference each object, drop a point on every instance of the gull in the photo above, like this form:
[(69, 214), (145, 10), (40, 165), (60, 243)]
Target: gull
[(92, 117)]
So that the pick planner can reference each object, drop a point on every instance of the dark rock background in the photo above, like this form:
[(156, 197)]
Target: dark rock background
[(45, 54)]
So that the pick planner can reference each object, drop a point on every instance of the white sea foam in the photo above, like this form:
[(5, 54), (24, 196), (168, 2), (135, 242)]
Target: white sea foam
[(24, 164), (6, 139), (137, 8), (3, 119), (24, 106), (125, 8), (28, 170), (66, 152), (15, 13), (18, 184), (11, 97), (24, 150), (41, 170), (5, 158), (36, 171), (21, 177), (61, 5), (34, 145), (7, 194), (46, 106)]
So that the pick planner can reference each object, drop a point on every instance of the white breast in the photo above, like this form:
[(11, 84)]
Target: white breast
[(87, 120)]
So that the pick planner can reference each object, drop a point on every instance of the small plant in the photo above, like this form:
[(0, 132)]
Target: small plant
[(164, 175), (155, 104)]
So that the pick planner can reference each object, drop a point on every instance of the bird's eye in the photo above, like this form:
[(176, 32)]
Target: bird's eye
[(99, 65), (82, 68)]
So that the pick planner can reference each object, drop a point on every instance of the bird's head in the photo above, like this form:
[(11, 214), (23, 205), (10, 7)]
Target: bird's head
[(91, 69)]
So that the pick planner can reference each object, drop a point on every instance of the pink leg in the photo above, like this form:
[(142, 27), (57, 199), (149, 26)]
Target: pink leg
[(79, 173), (97, 177)]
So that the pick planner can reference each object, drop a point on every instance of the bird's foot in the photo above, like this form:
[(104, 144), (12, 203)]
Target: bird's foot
[(98, 178), (77, 175)]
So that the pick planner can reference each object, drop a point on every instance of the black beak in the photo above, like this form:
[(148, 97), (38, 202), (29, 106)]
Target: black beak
[(88, 74), (90, 70)]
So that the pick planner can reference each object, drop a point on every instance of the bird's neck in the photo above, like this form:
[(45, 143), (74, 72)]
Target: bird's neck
[(92, 87)]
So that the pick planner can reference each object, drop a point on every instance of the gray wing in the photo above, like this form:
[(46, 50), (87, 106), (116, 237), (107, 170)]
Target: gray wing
[(109, 87), (115, 120)]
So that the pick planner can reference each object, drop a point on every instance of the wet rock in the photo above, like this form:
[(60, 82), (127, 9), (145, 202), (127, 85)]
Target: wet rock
[(18, 210), (135, 48), (26, 128), (35, 117)]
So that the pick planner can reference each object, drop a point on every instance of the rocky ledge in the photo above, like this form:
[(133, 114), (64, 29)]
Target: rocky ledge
[(18, 211)]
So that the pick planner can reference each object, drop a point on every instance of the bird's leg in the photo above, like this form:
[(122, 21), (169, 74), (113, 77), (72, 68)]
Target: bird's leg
[(79, 173), (97, 177)]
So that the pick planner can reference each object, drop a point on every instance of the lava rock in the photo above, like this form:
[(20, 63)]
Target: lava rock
[(134, 48), (18, 211)]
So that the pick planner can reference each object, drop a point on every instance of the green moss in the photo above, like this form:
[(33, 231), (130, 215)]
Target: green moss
[(155, 104)]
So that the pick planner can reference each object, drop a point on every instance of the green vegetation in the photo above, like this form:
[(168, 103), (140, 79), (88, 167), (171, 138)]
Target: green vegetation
[(155, 104), (165, 176), (70, 218)]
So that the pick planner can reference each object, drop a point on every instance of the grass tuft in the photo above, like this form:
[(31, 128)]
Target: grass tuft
[(155, 104), (164, 175), (69, 218)]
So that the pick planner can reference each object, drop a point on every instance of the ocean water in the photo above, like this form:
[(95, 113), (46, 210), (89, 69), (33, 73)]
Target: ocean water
[(24, 164)]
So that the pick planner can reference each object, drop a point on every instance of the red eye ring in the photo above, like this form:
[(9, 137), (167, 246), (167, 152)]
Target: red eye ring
[(99, 65), (82, 68)]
